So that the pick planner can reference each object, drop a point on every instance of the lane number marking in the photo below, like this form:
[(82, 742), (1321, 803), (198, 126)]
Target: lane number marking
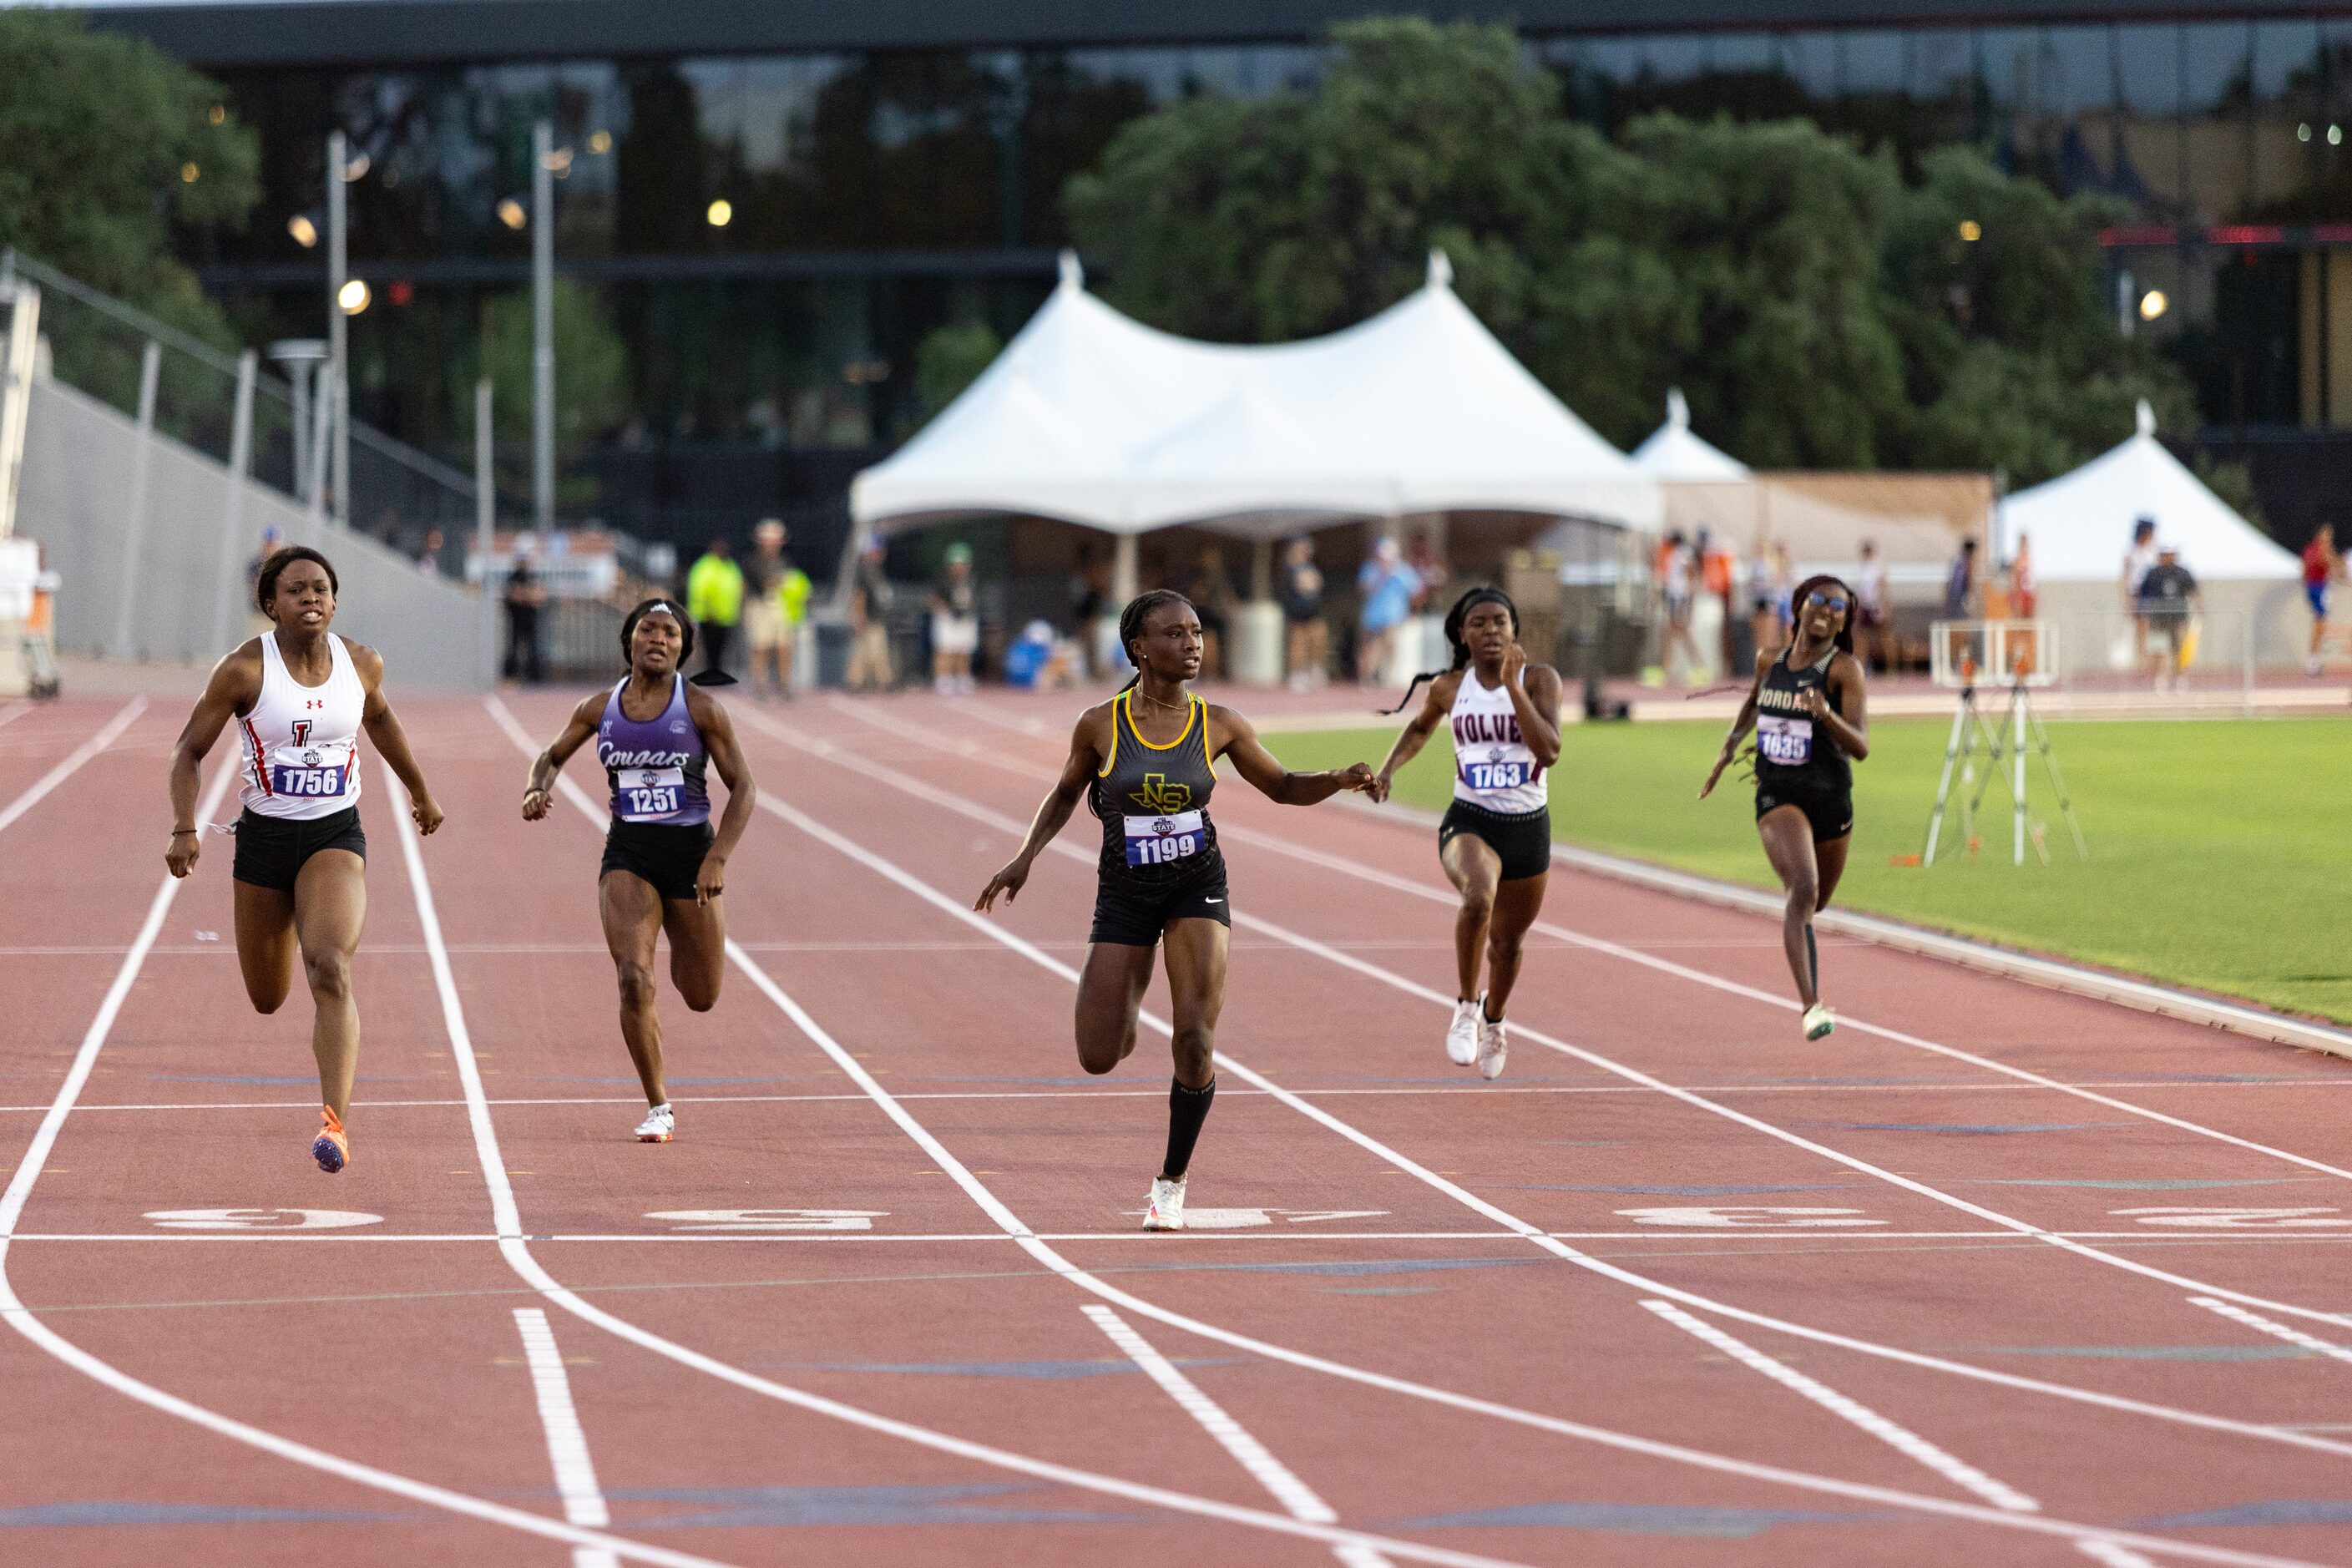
[(761, 1221), (1249, 1219), (261, 1219), (2187, 1218), (1751, 1216)]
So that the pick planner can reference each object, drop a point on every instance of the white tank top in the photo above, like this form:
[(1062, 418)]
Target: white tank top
[(301, 741), (1493, 767)]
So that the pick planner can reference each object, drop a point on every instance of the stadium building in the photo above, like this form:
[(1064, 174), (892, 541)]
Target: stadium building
[(776, 201)]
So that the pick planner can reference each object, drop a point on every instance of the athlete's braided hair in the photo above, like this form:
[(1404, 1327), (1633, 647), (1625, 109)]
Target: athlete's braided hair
[(1454, 618), (1131, 619)]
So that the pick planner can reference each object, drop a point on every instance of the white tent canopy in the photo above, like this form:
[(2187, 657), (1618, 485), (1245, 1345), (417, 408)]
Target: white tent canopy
[(1092, 416), (1672, 454), (2080, 523)]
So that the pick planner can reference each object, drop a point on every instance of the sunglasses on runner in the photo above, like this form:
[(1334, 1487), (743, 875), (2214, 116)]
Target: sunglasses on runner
[(1817, 600)]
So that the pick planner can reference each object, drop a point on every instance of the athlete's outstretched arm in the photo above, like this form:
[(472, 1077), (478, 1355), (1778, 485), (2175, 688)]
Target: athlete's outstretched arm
[(1739, 727), (390, 740), (1078, 771), (235, 684), (1416, 731), (1271, 779), (550, 762), (735, 773), (1851, 733)]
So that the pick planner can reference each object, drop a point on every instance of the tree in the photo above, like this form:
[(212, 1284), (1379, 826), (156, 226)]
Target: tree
[(1818, 311), (949, 359), (591, 373), (105, 145)]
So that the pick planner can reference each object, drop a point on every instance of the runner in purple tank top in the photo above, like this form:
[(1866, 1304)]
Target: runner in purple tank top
[(658, 735)]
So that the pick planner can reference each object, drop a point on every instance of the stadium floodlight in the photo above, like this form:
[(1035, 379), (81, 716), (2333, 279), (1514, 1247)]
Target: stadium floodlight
[(2153, 304), (304, 229), (354, 296), (510, 213), (600, 142), (357, 168), (190, 174), (1971, 230), (721, 213)]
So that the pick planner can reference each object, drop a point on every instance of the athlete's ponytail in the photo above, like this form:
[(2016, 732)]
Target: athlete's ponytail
[(1454, 618), (1130, 623)]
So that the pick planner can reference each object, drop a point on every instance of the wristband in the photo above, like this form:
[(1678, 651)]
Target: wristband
[(176, 832)]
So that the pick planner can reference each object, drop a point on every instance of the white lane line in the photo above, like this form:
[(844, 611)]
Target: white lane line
[(22, 1318), (567, 1440), (2261, 1324), (508, 1219), (1902, 1440), (65, 769), (867, 768), (2112, 1555), (996, 1208), (1235, 1439), (1630, 954)]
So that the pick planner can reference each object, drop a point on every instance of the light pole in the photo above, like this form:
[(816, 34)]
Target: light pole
[(295, 356), (542, 323), (338, 387)]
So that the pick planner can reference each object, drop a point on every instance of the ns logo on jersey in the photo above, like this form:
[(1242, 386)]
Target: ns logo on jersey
[(1159, 795)]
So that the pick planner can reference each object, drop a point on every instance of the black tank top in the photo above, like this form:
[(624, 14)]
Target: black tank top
[(1154, 800), (1793, 749)]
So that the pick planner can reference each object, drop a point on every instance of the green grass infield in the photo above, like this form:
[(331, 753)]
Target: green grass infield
[(2220, 849)]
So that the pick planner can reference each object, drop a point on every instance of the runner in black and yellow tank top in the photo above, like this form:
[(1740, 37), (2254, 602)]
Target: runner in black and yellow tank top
[(1145, 761), (1811, 725)]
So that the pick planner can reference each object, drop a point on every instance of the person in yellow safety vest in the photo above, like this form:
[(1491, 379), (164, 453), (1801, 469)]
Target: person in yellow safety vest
[(714, 597), (776, 603)]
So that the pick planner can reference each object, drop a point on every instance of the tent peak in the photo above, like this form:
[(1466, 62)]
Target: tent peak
[(2146, 418), (1074, 273), (1677, 408), (1441, 270)]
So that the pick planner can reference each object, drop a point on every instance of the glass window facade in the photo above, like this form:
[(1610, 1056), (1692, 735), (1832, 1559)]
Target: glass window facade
[(873, 195)]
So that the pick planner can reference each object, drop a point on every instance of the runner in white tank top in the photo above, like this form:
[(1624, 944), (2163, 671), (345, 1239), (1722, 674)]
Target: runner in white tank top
[(1496, 840), (298, 695), (302, 742)]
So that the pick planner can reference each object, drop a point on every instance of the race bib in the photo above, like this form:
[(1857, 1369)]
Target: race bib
[(644, 793), (1787, 742), (1162, 840), (310, 773), (1491, 777)]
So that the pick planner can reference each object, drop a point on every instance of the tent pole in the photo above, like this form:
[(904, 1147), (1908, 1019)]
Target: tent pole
[(1123, 585)]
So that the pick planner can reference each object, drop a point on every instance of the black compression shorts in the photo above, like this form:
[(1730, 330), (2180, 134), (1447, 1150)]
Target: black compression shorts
[(1830, 811), (1521, 839), (272, 850), (667, 855), (1132, 913)]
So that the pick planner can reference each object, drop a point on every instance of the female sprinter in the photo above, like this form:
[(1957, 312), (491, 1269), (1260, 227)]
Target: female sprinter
[(1496, 840), (657, 735), (1811, 724), (299, 695), (1145, 762)]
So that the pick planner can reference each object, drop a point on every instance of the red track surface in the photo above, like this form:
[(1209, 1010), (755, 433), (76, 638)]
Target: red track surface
[(1993, 1335)]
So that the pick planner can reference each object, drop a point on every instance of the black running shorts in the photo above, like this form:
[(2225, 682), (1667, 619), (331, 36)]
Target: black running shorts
[(1521, 839), (1831, 812), (666, 854), (272, 850), (1133, 912)]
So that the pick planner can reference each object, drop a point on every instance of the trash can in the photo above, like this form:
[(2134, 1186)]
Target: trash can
[(833, 644)]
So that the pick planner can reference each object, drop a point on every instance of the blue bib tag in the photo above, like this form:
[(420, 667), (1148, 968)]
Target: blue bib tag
[(1487, 777), (1787, 742), (305, 784)]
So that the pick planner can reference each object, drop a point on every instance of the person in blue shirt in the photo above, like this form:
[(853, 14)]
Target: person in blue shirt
[(1388, 585)]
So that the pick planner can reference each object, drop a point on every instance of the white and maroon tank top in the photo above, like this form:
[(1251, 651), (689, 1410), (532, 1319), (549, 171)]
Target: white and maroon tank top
[(302, 742), (1493, 767)]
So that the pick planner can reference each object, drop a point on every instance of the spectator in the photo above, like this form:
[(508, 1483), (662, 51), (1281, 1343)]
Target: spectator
[(2169, 597), (870, 622), (1212, 594), (1675, 574), (714, 597), (1873, 616), (1769, 584), (1387, 584), (428, 558), (524, 596), (1429, 567), (2139, 560), (2321, 566), (955, 623), (765, 632), (1960, 595), (1719, 570), (2022, 596), (1309, 635)]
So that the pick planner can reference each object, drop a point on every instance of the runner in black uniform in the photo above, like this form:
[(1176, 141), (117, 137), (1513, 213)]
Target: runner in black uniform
[(1145, 761), (1812, 723)]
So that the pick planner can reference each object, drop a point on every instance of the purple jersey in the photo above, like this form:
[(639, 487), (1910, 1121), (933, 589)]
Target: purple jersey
[(657, 765)]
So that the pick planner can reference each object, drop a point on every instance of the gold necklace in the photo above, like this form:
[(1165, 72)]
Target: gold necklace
[(1184, 706)]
